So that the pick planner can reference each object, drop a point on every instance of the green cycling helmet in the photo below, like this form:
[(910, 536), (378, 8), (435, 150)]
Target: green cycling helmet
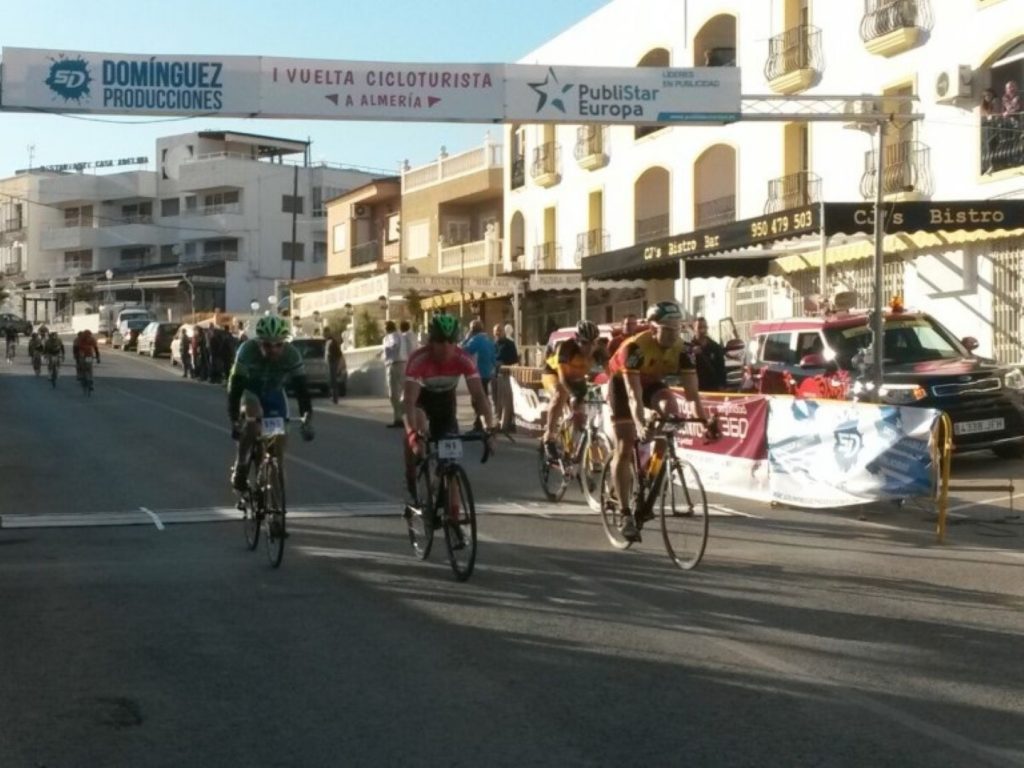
[(443, 328), (271, 328)]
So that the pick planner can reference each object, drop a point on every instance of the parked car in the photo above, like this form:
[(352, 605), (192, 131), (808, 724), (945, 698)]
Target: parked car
[(176, 346), (126, 334), (314, 358), (925, 366), (156, 338), (19, 324)]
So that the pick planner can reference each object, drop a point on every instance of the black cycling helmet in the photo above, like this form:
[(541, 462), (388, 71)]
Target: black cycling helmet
[(443, 327), (665, 313), (586, 331)]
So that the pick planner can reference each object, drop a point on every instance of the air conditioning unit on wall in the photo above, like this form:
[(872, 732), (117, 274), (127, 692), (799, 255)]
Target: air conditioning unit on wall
[(953, 83), (360, 211)]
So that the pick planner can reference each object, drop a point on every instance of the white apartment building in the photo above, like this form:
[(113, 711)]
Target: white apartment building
[(573, 191), (210, 227)]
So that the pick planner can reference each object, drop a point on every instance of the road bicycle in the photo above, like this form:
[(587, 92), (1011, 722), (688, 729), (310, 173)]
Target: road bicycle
[(11, 348), (85, 378), (444, 499), (663, 477), (52, 366), (263, 503), (37, 362), (581, 452)]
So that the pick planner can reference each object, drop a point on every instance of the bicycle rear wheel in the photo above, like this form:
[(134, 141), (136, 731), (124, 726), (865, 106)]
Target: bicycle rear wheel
[(459, 523), (273, 496), (419, 520), (597, 450), (684, 515), (611, 517)]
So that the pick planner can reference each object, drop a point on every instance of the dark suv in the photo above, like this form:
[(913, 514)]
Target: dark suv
[(8, 320), (925, 365)]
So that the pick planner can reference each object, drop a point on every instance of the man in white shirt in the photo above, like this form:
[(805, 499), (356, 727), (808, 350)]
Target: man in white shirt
[(395, 356), (412, 343)]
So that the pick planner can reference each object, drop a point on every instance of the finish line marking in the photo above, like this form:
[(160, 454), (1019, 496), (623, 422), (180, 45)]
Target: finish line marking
[(156, 520)]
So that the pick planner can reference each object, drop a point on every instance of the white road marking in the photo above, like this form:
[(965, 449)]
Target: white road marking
[(156, 520), (983, 502), (349, 481)]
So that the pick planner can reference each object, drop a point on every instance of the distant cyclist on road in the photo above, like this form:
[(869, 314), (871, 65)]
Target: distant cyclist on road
[(35, 352), (11, 337), (256, 389), (637, 374), (84, 346), (431, 376), (53, 348), (566, 369)]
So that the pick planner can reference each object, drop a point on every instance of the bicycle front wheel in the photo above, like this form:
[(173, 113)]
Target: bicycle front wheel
[(459, 523), (252, 513), (597, 450), (684, 515), (420, 519), (611, 517), (273, 496)]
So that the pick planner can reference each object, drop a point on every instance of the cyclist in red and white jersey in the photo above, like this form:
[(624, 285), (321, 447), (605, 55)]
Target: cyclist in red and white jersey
[(431, 376)]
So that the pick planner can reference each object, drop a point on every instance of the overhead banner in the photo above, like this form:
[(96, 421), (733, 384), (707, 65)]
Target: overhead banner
[(80, 81), (252, 86), (610, 95), (833, 454)]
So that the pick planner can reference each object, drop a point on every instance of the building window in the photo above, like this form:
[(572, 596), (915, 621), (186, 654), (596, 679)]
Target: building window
[(167, 255), (137, 212), (293, 251), (170, 207), (338, 242), (133, 258), (225, 248), (191, 203), (78, 259), (190, 251), (394, 228), (417, 238), (78, 217), (319, 252), (291, 204)]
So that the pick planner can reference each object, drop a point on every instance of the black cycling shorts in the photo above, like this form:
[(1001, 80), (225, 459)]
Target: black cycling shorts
[(440, 409), (618, 398)]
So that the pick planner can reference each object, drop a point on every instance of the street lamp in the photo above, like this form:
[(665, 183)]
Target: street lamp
[(254, 305), (53, 297), (272, 304)]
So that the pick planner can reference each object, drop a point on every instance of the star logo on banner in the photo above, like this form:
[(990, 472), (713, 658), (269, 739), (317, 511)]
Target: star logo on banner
[(549, 89)]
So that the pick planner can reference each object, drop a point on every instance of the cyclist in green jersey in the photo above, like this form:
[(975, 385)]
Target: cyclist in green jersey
[(256, 389)]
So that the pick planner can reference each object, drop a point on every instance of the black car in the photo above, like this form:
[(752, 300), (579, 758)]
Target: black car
[(925, 365), (9, 320)]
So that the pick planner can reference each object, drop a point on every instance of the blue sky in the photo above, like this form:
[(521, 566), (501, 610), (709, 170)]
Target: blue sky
[(387, 30)]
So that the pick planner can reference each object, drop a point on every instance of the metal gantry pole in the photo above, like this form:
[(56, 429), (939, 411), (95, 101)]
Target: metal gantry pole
[(877, 317)]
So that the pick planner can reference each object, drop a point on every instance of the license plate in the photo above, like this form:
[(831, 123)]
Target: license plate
[(273, 426), (982, 425), (449, 449)]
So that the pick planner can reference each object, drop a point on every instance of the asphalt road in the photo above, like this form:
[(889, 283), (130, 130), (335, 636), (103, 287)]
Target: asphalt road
[(137, 630)]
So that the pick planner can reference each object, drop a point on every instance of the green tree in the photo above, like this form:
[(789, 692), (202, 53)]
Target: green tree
[(368, 332), (82, 292)]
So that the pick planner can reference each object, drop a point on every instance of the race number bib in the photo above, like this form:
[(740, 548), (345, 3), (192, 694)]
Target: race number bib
[(273, 426), (449, 449)]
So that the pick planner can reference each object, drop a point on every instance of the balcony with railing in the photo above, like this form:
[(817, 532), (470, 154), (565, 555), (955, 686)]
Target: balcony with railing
[(794, 59), (447, 167), (906, 172), (591, 147), (546, 255), (1002, 143), (651, 228), (12, 225), (366, 253), (711, 213), (889, 27), (518, 171), (11, 268), (545, 165), (793, 191), (590, 242), (478, 253)]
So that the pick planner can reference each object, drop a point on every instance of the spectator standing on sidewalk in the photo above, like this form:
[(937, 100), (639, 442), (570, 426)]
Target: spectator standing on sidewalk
[(333, 355), (185, 349), (481, 348), (412, 343), (394, 368), (709, 358), (506, 354)]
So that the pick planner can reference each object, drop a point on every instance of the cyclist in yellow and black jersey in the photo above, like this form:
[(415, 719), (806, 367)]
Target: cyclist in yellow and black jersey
[(566, 369)]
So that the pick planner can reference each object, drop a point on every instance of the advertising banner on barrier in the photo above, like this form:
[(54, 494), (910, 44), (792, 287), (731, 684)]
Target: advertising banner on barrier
[(736, 464), (253, 86), (830, 454)]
